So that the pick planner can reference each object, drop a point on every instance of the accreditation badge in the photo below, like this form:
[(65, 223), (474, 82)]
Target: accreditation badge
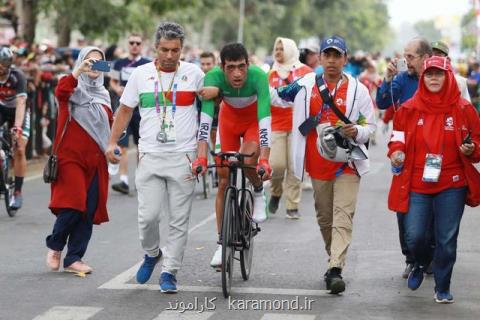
[(433, 167), (167, 132)]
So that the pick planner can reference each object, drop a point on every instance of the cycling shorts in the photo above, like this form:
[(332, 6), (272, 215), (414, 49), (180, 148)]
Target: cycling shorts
[(8, 115), (235, 124)]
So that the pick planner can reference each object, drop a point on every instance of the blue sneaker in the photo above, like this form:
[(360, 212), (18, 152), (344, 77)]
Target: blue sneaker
[(16, 201), (145, 271), (443, 297), (168, 283), (415, 278)]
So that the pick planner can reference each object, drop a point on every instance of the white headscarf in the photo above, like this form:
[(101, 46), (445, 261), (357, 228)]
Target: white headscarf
[(290, 57), (87, 101)]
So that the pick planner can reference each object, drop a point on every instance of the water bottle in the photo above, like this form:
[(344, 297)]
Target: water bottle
[(113, 167), (396, 170)]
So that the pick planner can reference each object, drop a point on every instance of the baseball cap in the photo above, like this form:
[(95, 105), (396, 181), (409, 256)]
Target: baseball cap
[(334, 42), (440, 46), (441, 63), (313, 47)]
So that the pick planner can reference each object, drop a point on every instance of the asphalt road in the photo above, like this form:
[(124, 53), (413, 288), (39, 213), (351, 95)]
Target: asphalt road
[(286, 280)]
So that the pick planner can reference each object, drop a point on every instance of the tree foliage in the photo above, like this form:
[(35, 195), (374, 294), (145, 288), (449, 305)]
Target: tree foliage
[(469, 32), (363, 23), (108, 19), (427, 29), (213, 23)]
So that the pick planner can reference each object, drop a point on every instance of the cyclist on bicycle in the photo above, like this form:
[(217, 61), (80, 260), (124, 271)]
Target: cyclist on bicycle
[(243, 124), (13, 97)]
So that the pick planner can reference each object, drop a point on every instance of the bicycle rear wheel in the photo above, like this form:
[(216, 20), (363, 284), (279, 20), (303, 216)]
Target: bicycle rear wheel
[(228, 248), (246, 254)]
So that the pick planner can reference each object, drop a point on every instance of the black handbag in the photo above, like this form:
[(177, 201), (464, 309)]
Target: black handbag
[(50, 171)]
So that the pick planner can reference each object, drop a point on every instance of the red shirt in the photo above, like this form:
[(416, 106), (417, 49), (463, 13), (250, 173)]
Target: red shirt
[(451, 174), (282, 117), (317, 166)]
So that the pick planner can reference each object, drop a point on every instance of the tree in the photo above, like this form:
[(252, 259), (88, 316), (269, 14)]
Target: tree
[(29, 19), (108, 19), (427, 30), (364, 23), (469, 31)]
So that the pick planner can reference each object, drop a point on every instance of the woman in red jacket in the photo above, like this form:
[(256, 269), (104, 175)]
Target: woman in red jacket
[(435, 141), (79, 195)]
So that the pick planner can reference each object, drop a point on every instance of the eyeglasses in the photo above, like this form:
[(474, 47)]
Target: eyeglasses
[(135, 42), (410, 57)]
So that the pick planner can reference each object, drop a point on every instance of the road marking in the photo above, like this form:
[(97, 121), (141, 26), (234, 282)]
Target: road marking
[(282, 316), (119, 283), (121, 280), (376, 167), (35, 177), (187, 315), (202, 223), (68, 313)]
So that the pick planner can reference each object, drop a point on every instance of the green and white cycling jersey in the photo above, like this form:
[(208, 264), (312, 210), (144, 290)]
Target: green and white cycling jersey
[(254, 90)]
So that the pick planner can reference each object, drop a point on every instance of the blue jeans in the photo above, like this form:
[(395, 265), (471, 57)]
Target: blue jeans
[(76, 227), (446, 209)]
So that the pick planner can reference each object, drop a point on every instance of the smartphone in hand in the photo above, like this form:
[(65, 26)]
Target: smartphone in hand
[(402, 65), (468, 139), (101, 65)]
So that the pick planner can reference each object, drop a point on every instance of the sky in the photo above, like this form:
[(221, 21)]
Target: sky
[(447, 14), (411, 11)]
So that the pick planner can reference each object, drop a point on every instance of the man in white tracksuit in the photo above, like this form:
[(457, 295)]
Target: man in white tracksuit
[(165, 91)]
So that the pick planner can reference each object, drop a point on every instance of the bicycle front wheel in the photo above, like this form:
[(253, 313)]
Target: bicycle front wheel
[(228, 248), (246, 254), (8, 186)]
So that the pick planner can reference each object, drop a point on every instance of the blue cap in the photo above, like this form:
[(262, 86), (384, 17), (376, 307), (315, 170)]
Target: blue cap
[(334, 42)]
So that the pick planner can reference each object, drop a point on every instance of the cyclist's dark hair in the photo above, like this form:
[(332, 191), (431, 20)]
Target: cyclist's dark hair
[(207, 54), (233, 52)]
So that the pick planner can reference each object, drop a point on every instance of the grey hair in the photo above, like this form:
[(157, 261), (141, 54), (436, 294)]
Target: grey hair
[(424, 46), (170, 31)]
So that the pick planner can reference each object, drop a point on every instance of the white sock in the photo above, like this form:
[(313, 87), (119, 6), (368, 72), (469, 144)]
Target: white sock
[(124, 178)]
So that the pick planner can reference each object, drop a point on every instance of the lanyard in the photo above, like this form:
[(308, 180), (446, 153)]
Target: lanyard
[(442, 135), (164, 97), (325, 106)]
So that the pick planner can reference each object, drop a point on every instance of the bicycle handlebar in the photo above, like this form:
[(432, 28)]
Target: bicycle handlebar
[(261, 172), (238, 155)]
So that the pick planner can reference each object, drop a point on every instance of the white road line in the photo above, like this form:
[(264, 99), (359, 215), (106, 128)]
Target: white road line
[(187, 315), (117, 285), (121, 280), (202, 223), (281, 316), (68, 313), (376, 167), (35, 177)]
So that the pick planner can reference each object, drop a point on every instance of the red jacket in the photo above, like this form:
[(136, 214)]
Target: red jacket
[(79, 158), (404, 126), (281, 116)]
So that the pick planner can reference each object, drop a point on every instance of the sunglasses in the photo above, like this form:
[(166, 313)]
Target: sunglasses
[(134, 42)]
